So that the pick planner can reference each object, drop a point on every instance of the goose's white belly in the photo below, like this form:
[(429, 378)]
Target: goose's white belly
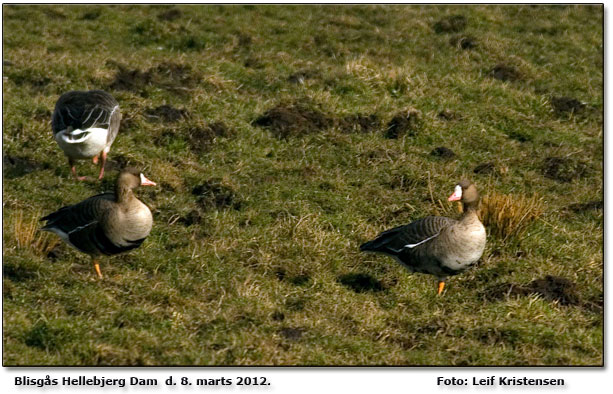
[(131, 226), (82, 144), (467, 250)]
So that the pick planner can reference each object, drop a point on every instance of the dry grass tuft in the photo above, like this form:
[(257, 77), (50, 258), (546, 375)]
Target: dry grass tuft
[(507, 215), (27, 234)]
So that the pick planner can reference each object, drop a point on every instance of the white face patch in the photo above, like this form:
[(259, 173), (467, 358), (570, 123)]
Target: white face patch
[(458, 191), (143, 180)]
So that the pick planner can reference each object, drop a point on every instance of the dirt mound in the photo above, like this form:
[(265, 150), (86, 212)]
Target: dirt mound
[(92, 15), (117, 162), (175, 77), (37, 80), (293, 120), (567, 105), (463, 42), (404, 123), (586, 206), (198, 136), (18, 271), (551, 288), (505, 72), (450, 24), (359, 123), (170, 15), (57, 253), (485, 168), (293, 334), (166, 114), (18, 166), (244, 40), (519, 136), (192, 217), (361, 283), (563, 169), (213, 194), (443, 152), (277, 316), (201, 137), (447, 114), (300, 76), (253, 61)]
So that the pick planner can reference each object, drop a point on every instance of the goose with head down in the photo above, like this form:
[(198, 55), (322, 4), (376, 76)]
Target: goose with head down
[(105, 224), (85, 125), (437, 245)]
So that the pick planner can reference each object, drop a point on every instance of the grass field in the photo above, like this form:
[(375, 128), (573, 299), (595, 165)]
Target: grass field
[(282, 137)]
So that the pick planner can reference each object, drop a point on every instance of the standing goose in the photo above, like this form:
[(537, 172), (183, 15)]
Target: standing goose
[(437, 245), (105, 224), (85, 125)]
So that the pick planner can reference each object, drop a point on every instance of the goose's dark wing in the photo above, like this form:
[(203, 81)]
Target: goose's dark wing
[(84, 110), (408, 236), (79, 224)]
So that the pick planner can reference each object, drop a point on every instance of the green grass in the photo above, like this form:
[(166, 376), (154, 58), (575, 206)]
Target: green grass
[(266, 270)]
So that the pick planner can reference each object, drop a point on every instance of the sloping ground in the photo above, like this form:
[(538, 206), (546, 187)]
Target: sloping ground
[(280, 143)]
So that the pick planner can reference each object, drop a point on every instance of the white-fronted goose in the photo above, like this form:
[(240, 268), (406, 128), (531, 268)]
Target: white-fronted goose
[(108, 223), (437, 245), (85, 125)]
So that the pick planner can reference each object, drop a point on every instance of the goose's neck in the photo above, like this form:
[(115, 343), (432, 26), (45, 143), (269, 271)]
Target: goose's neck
[(470, 209), (124, 194)]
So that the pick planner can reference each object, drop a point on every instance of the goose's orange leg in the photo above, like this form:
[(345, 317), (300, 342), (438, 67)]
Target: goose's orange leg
[(73, 170), (441, 286), (102, 163), (97, 268)]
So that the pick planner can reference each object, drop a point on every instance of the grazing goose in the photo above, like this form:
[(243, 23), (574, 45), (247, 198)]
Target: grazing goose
[(85, 125), (105, 224), (437, 245)]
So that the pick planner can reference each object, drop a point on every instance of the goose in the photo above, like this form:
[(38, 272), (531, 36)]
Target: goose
[(85, 125), (105, 224), (437, 245)]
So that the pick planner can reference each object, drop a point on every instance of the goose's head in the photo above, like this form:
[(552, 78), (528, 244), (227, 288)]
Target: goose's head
[(131, 178), (466, 192)]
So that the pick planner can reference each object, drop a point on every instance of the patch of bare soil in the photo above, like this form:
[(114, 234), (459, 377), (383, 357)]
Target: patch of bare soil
[(563, 169), (18, 166), (404, 123), (213, 194), (519, 136), (192, 217), (463, 42), (359, 123), (201, 137), (170, 15), (174, 77), (117, 162), (567, 105), (244, 40), (551, 288), (450, 24), (505, 72), (166, 114), (292, 334), (361, 283), (447, 114), (300, 76), (92, 15), (37, 80), (253, 61), (295, 119), (485, 168), (443, 152), (579, 207)]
